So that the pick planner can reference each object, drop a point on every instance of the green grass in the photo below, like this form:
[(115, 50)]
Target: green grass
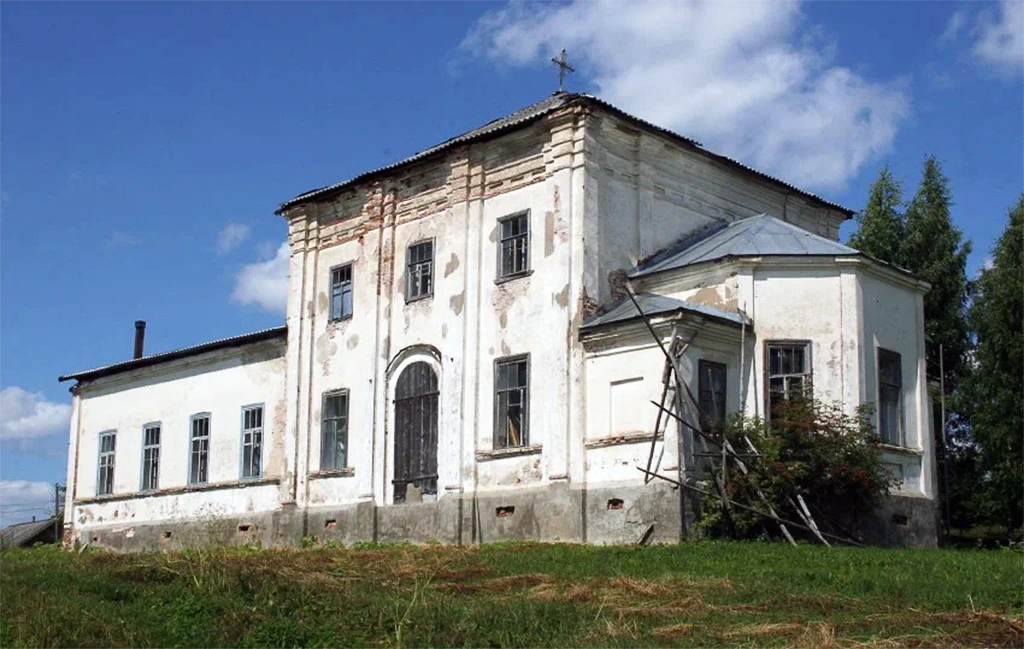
[(701, 594)]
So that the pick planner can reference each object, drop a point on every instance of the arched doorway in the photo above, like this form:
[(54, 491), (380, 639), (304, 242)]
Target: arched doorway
[(416, 430)]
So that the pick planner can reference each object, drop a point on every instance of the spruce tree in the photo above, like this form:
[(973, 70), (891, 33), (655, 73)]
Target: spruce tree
[(881, 225), (933, 250), (994, 389)]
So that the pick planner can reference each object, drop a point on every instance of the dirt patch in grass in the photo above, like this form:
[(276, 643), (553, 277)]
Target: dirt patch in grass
[(672, 632)]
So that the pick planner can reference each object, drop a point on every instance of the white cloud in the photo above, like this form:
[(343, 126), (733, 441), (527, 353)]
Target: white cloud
[(231, 236), (20, 500), (999, 37), (25, 415), (741, 77), (124, 239), (264, 283), (957, 21)]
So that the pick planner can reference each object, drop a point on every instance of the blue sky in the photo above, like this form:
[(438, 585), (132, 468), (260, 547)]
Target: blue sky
[(145, 146)]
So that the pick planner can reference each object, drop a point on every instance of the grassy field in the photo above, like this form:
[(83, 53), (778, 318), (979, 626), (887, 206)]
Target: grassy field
[(701, 594)]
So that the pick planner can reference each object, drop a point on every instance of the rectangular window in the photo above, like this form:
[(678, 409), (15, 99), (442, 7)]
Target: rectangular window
[(890, 401), (105, 480), (252, 441), (341, 292), (420, 262), (711, 392), (199, 449), (512, 400), (334, 432), (151, 457), (514, 245), (789, 372)]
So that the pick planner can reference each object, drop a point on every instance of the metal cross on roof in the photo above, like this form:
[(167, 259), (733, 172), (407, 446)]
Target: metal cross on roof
[(563, 67)]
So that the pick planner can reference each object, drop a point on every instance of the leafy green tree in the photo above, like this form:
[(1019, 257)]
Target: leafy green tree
[(881, 225), (993, 393), (934, 250)]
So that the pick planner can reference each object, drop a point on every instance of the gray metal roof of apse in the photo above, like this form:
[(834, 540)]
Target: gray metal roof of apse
[(651, 304), (757, 236), (175, 354), (536, 111)]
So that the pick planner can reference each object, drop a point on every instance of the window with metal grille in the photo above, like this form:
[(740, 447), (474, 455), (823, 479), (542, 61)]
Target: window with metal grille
[(334, 431), (512, 399), (514, 245), (252, 441), (151, 457), (789, 373), (105, 480), (420, 262), (341, 292), (890, 393), (199, 450), (711, 392)]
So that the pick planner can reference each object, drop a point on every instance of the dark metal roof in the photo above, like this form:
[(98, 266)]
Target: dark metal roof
[(531, 113), (651, 304), (175, 354), (757, 236), (20, 534)]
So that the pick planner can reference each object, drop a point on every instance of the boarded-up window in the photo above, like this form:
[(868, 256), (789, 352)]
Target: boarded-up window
[(420, 261), (199, 451), (789, 372), (512, 399), (514, 245), (341, 292), (151, 457), (711, 392), (890, 397), (105, 479), (252, 441), (334, 431)]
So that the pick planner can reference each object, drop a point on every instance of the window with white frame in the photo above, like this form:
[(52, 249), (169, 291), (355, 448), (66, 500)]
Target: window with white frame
[(512, 401), (199, 449), (252, 441), (105, 479), (341, 292), (890, 397), (789, 372), (151, 457), (420, 263), (334, 431), (514, 245)]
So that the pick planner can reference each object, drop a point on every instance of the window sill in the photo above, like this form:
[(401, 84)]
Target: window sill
[(341, 319), (347, 472), (173, 491), (901, 450), (499, 453), (421, 298), (512, 278), (628, 438)]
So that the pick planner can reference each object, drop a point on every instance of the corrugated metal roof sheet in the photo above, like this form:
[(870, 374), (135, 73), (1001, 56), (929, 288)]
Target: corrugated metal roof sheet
[(757, 236), (19, 534), (175, 354), (651, 304), (535, 111)]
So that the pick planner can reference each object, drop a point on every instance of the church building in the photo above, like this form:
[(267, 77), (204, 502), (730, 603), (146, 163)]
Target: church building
[(461, 360)]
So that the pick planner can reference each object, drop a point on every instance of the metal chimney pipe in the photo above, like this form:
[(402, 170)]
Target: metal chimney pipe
[(140, 337)]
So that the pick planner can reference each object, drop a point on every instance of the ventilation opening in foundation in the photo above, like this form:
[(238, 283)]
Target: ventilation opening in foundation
[(900, 519), (95, 539), (615, 503), (167, 535), (331, 524), (502, 512), (244, 528)]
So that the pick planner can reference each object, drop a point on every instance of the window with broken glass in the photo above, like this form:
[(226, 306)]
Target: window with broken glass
[(711, 392), (341, 292), (420, 263), (514, 245), (151, 457), (512, 401), (252, 442), (199, 455), (334, 432), (105, 479), (789, 373), (890, 389)]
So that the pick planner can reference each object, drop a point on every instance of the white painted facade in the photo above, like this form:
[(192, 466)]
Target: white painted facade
[(602, 193)]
